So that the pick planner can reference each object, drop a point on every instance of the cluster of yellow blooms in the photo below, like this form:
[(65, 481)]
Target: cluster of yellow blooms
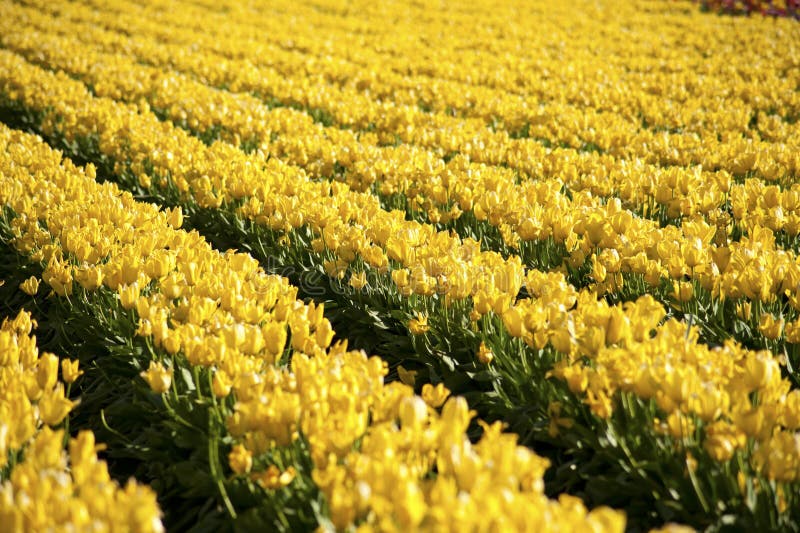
[(348, 223), (356, 93), (352, 225), (222, 311), (669, 164), (385, 483), (216, 308), (774, 8), (534, 210), (46, 488), (405, 168), (449, 188), (736, 393)]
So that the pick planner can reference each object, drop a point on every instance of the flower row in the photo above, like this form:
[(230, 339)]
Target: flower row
[(42, 485), (202, 309), (770, 151)]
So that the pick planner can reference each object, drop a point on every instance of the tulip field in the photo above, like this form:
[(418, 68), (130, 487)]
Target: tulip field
[(340, 265)]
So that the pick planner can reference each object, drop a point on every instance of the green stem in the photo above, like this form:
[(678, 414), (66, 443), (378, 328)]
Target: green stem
[(214, 463)]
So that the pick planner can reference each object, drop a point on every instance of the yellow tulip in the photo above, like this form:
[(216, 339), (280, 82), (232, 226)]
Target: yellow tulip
[(485, 354), (240, 459), (30, 286), (419, 324), (435, 396), (158, 377), (69, 370)]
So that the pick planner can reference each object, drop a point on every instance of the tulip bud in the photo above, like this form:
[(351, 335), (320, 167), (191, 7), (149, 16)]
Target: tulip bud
[(47, 371), (485, 355), (240, 459), (69, 370), (158, 377), (435, 396), (30, 286)]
